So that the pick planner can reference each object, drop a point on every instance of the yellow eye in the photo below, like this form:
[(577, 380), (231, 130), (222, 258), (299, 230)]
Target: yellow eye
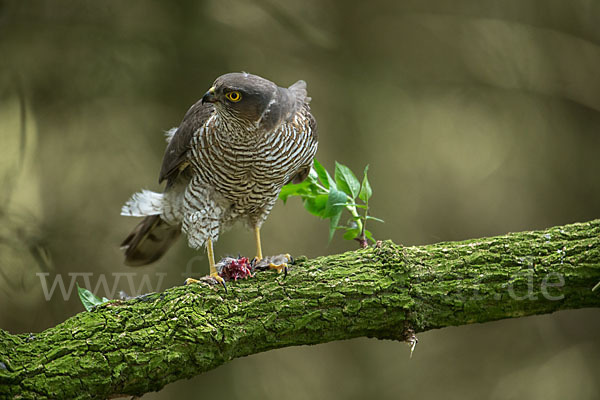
[(234, 96)]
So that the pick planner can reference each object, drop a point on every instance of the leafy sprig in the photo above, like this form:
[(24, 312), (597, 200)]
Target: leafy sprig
[(328, 197)]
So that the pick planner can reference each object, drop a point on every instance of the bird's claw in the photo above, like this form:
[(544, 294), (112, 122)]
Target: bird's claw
[(190, 281), (279, 262), (280, 267), (213, 278)]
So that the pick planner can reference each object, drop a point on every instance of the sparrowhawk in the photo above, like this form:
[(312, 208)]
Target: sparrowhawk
[(226, 162)]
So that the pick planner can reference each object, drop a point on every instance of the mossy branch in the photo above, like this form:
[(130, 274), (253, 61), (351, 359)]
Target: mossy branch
[(387, 292)]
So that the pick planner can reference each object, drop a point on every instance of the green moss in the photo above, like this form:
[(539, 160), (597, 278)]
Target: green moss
[(131, 347)]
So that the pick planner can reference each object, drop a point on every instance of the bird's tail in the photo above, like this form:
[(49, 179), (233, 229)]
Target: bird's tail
[(143, 204), (152, 237)]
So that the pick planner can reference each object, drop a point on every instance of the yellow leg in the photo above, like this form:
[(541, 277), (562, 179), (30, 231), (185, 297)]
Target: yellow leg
[(211, 263), (258, 246), (211, 257)]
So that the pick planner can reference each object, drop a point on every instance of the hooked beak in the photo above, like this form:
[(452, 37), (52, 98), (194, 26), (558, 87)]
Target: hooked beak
[(209, 97)]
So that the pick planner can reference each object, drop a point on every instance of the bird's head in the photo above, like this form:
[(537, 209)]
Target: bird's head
[(252, 101)]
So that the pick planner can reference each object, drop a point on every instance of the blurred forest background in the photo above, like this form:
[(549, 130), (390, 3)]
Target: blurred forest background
[(477, 118)]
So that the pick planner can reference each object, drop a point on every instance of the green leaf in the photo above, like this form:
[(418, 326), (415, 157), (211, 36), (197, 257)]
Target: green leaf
[(346, 180), (333, 211), (322, 174), (316, 205), (375, 219), (333, 223), (291, 189), (369, 235), (313, 176), (350, 234), (365, 188), (88, 299), (334, 198)]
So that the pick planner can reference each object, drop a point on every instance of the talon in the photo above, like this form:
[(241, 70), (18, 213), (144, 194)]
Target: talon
[(279, 267), (219, 280), (283, 266), (212, 278)]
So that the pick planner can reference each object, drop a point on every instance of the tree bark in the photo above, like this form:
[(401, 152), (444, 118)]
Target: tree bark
[(386, 292)]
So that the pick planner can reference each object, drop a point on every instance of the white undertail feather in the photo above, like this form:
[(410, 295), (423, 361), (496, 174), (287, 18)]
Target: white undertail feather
[(143, 203)]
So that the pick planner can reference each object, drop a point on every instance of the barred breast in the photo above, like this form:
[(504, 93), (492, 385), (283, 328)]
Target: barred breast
[(250, 171)]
